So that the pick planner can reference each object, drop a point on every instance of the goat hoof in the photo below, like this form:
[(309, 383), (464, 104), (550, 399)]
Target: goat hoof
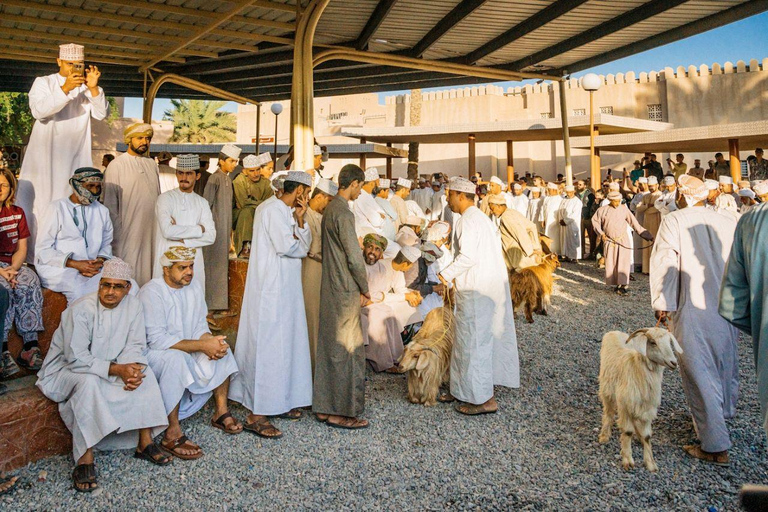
[(652, 467), (628, 464), (604, 438)]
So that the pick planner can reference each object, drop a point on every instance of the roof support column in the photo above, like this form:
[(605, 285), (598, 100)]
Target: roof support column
[(472, 157), (302, 88), (389, 163), (566, 134), (734, 160), (510, 162), (363, 161)]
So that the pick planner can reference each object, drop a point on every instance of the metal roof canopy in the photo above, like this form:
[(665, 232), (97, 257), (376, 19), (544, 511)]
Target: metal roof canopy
[(700, 139), (334, 150), (517, 130), (245, 47)]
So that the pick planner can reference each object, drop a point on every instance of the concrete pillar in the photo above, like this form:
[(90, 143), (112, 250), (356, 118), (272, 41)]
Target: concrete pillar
[(596, 158), (595, 176), (510, 162), (472, 153), (363, 161), (566, 134), (734, 160), (389, 163)]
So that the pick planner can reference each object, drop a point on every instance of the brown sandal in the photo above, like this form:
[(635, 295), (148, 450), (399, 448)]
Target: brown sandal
[(263, 429), (153, 454), (170, 447), (473, 410), (84, 474), (232, 430), (293, 415), (349, 424)]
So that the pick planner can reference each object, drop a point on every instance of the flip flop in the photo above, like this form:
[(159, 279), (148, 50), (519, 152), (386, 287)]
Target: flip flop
[(260, 429), (473, 410), (219, 424), (150, 453), (170, 447)]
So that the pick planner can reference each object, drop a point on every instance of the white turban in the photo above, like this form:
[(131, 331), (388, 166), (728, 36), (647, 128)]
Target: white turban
[(711, 184), (693, 189), (497, 180), (745, 192), (761, 188), (725, 180), (411, 253), (406, 236)]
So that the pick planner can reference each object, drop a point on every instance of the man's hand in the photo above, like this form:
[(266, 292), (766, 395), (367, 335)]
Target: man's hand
[(413, 298), (300, 210), (132, 374), (87, 268), (92, 80), (9, 275), (647, 236), (438, 289), (365, 299), (214, 346), (72, 82), (662, 317)]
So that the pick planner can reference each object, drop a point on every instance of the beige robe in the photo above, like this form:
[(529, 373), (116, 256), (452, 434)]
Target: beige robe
[(519, 240), (398, 203), (651, 222), (311, 278)]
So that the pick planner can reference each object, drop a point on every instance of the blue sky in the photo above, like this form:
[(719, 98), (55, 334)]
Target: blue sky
[(744, 40)]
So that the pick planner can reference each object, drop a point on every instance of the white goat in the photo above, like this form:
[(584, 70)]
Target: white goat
[(631, 369)]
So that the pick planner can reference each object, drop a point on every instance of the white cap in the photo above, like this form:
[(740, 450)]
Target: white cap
[(413, 220), (438, 231), (652, 180), (327, 186), (761, 188), (406, 236), (517, 186), (254, 161), (725, 180), (299, 177), (570, 188), (231, 151), (534, 189), (317, 150), (187, 162), (745, 192), (459, 184), (613, 186), (642, 179), (497, 180), (402, 182), (711, 184), (72, 52), (552, 186), (371, 174), (384, 182), (669, 180), (411, 253)]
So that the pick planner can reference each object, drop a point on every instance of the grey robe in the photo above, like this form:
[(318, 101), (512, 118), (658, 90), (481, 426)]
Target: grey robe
[(93, 404), (613, 222), (687, 266), (340, 359), (743, 294), (218, 193)]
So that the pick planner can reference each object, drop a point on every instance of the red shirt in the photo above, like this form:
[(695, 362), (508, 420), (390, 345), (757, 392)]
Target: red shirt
[(13, 227)]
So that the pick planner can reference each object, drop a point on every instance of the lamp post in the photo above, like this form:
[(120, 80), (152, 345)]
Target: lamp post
[(276, 109), (591, 82)]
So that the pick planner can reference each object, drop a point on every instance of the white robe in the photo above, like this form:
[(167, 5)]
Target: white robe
[(725, 203), (519, 203), (485, 350), (167, 175), (437, 205), (131, 188), (390, 221), (687, 267), (534, 211), (172, 315), (61, 239), (666, 203), (93, 405), (549, 219), (423, 197), (59, 144), (179, 217), (272, 349), (570, 234), (637, 242)]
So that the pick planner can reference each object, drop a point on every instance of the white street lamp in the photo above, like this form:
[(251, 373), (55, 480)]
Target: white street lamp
[(277, 109), (591, 82)]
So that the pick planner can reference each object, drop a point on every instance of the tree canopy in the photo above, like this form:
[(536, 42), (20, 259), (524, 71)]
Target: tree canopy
[(201, 122)]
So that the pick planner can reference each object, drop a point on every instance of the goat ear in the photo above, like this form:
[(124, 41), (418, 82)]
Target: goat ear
[(422, 362), (639, 341), (675, 345)]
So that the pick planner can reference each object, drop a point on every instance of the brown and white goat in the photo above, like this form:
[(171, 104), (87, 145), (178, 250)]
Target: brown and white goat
[(531, 287), (631, 370), (427, 359)]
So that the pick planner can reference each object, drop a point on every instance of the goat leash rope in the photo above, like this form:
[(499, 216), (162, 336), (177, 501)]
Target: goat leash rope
[(609, 239)]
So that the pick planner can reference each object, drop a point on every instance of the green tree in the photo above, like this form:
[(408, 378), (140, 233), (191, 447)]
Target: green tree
[(201, 122), (15, 118)]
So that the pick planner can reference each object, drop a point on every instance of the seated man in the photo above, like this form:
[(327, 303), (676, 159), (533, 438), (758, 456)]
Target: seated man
[(190, 363), (251, 189), (96, 371), (75, 238), (519, 236), (392, 305)]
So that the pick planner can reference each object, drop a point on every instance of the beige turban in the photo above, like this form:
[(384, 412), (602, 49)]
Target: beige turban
[(693, 189), (137, 130), (176, 254)]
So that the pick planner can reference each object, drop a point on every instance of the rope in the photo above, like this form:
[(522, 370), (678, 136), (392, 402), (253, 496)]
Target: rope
[(609, 239)]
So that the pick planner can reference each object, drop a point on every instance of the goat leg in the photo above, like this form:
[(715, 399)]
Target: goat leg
[(643, 430), (627, 430), (608, 414), (529, 312)]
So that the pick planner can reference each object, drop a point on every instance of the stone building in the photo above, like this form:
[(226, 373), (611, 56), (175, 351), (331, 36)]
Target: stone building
[(684, 97)]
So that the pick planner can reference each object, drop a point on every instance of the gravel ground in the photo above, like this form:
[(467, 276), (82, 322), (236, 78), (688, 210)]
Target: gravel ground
[(540, 452)]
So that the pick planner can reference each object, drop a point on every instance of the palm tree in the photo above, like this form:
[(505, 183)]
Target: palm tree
[(201, 122), (413, 147)]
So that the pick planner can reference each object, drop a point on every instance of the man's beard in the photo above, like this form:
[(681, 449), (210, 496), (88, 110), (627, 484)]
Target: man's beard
[(141, 149), (370, 260)]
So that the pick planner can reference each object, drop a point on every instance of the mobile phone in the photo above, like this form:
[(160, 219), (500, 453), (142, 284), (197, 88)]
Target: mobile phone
[(78, 68)]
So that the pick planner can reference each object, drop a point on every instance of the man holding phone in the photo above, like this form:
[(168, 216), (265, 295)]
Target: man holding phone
[(62, 104)]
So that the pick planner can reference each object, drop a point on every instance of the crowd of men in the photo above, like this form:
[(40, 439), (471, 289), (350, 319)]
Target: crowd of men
[(341, 274)]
